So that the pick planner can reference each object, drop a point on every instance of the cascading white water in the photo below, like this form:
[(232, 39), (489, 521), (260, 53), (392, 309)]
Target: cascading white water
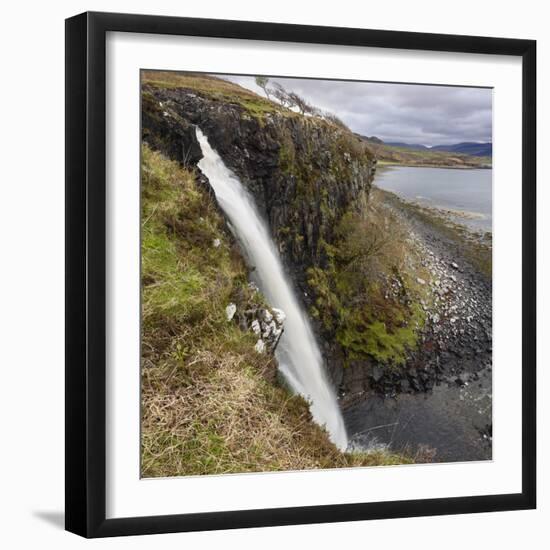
[(297, 353)]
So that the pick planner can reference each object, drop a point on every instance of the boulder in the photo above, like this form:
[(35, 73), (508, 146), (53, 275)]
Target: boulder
[(260, 346), (230, 311)]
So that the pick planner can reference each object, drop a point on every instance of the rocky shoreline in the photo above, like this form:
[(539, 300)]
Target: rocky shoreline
[(457, 339), (456, 344)]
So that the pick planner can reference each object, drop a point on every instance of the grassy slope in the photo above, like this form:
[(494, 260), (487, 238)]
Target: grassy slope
[(210, 403)]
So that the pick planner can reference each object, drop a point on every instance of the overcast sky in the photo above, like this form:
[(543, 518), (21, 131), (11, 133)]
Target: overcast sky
[(428, 115)]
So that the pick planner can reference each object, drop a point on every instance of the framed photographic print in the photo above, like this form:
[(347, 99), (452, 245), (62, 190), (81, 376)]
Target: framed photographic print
[(300, 274)]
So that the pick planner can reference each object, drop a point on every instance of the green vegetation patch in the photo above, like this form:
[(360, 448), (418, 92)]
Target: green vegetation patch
[(363, 337), (365, 296)]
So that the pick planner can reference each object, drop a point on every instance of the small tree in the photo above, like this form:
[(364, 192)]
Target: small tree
[(281, 95), (315, 111), (303, 106), (262, 82)]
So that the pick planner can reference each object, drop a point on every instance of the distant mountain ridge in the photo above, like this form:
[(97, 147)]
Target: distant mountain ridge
[(413, 146), (459, 155), (466, 148)]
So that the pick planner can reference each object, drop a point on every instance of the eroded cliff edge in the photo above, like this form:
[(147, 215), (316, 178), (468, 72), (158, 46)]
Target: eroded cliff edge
[(304, 173)]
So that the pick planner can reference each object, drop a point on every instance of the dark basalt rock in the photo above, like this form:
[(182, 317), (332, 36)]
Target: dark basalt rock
[(164, 131)]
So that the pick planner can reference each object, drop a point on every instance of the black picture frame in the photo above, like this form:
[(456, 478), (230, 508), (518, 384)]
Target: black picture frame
[(86, 268)]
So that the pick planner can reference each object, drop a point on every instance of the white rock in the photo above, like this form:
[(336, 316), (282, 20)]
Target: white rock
[(260, 346), (216, 243), (420, 281), (280, 315), (454, 265), (255, 326), (267, 316), (230, 311), (268, 329)]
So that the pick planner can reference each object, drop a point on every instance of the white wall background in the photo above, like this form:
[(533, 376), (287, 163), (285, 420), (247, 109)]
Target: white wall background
[(32, 271)]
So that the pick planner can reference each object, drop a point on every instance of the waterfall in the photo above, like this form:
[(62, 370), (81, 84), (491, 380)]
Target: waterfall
[(297, 353)]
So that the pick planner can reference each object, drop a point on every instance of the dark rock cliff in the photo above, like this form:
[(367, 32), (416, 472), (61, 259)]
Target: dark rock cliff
[(303, 172)]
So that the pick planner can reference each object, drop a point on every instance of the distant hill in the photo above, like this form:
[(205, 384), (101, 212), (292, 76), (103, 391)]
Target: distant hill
[(468, 148), (414, 146), (371, 139), (407, 154)]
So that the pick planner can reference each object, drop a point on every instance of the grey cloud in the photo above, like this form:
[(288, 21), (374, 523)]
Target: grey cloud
[(431, 115)]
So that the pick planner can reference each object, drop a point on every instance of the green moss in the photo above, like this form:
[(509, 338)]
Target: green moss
[(362, 338), (287, 154), (257, 106)]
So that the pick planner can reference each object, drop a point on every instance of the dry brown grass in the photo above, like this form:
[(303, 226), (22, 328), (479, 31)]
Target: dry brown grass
[(226, 418), (214, 88), (210, 403), (196, 81)]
